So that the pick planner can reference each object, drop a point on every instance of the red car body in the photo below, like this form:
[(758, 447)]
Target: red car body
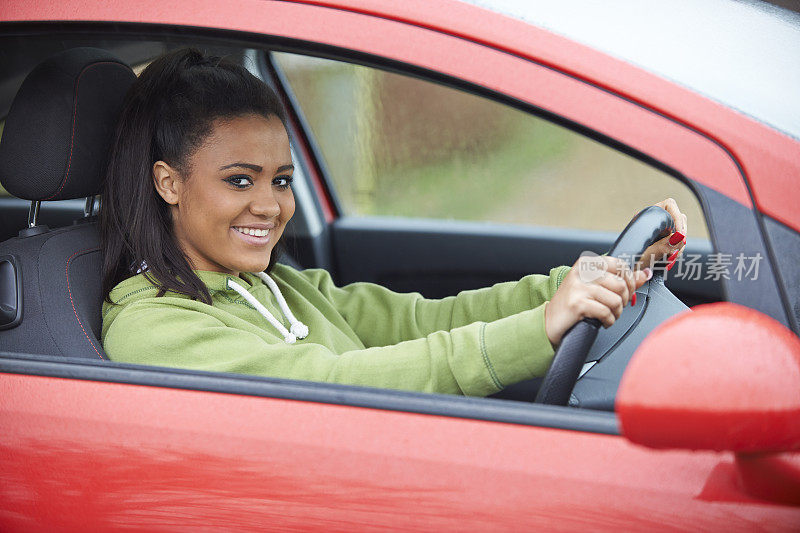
[(90, 453)]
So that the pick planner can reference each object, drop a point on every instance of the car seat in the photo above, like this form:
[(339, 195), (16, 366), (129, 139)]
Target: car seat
[(54, 147)]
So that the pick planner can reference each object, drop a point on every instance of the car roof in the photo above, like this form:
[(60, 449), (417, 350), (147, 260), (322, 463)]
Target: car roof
[(744, 54)]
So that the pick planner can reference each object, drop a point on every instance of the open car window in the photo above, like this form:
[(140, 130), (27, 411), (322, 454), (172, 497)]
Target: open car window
[(403, 147)]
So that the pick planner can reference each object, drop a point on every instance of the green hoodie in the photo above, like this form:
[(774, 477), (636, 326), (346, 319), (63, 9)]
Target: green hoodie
[(475, 343)]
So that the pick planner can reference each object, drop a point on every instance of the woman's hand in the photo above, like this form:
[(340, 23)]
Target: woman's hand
[(596, 287), (671, 245)]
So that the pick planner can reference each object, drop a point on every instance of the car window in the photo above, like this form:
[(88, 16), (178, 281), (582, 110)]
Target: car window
[(396, 145)]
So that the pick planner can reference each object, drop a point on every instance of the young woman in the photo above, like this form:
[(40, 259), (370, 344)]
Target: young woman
[(197, 195)]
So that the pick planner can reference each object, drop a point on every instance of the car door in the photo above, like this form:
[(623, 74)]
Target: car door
[(87, 443)]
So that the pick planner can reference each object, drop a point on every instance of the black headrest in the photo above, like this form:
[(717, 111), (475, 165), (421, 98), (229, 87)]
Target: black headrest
[(61, 124)]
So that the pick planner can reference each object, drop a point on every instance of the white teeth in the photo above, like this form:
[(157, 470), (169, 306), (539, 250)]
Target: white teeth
[(253, 232)]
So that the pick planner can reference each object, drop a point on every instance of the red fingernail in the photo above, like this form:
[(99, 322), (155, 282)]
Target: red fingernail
[(676, 238), (633, 299), (684, 241), (673, 256), (669, 266)]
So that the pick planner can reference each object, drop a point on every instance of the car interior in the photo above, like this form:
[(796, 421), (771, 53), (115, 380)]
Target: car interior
[(51, 164)]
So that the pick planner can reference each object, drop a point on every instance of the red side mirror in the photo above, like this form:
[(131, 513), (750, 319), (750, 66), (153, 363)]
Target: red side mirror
[(721, 377)]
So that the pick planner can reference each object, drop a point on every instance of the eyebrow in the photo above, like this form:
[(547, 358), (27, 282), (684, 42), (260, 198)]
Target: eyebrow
[(255, 168)]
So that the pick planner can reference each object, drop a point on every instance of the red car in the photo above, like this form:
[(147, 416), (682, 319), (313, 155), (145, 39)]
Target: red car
[(440, 146)]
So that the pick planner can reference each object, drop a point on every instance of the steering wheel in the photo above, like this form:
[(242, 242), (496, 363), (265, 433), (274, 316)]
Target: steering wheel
[(647, 227)]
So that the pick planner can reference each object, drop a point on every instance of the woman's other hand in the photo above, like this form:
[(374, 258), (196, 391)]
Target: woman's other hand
[(596, 287), (669, 247)]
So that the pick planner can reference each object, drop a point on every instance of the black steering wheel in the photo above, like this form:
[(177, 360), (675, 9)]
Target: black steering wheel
[(649, 226)]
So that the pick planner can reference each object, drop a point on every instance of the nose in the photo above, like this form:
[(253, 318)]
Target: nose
[(264, 204)]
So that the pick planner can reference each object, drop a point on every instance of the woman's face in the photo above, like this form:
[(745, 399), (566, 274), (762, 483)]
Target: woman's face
[(232, 207)]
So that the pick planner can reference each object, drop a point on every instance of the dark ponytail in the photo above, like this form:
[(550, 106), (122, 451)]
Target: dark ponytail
[(166, 115)]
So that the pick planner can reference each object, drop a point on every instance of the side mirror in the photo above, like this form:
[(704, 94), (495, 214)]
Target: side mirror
[(722, 377)]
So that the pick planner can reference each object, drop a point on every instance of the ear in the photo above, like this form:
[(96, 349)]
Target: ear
[(167, 182)]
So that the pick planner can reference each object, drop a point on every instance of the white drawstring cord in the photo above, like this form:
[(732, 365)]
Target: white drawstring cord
[(298, 329), (289, 337)]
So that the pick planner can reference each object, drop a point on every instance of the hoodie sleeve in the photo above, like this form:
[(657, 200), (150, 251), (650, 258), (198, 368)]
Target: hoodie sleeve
[(365, 305), (475, 359)]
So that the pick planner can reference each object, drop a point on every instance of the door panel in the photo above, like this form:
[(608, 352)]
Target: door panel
[(115, 455), (439, 258)]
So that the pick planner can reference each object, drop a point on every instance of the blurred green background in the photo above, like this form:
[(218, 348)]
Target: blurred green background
[(399, 146)]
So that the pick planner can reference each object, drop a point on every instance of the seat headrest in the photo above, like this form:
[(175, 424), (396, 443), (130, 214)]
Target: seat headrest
[(61, 125)]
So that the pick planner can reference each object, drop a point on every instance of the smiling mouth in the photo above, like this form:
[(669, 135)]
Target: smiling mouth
[(253, 232), (254, 236)]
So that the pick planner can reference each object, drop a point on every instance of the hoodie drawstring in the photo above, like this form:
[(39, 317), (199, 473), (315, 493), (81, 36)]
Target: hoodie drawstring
[(297, 330)]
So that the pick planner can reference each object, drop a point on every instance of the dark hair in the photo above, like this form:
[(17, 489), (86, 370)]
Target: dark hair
[(166, 115)]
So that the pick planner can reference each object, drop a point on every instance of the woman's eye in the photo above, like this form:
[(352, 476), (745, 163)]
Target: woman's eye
[(282, 182), (240, 182)]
